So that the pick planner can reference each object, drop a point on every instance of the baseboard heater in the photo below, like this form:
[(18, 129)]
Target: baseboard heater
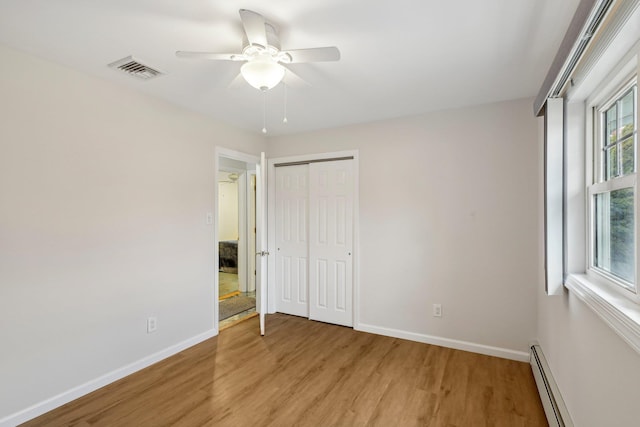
[(554, 408)]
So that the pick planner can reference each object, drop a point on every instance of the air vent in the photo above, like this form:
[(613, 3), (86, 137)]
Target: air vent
[(135, 68)]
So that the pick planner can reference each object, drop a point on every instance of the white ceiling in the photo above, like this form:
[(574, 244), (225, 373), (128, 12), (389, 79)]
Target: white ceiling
[(399, 57)]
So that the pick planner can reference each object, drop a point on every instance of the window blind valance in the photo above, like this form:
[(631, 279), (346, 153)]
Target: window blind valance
[(592, 29)]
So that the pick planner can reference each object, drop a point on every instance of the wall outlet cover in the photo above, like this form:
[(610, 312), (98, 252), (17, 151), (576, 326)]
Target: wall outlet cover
[(437, 310), (152, 324)]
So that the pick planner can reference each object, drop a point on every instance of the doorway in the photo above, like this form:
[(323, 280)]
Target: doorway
[(236, 231)]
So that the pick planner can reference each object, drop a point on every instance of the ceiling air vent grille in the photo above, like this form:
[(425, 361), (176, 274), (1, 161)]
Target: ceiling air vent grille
[(135, 68)]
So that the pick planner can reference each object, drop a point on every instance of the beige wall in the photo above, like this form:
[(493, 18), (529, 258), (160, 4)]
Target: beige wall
[(448, 214), (103, 199), (596, 371)]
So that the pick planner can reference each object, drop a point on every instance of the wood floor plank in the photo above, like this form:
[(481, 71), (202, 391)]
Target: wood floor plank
[(307, 373)]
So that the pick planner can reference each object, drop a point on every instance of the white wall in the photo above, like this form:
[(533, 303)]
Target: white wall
[(448, 214), (596, 371), (227, 208), (103, 197)]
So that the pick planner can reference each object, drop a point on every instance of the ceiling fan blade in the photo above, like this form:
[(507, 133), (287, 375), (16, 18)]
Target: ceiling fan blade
[(210, 55), (291, 79), (315, 54), (254, 27)]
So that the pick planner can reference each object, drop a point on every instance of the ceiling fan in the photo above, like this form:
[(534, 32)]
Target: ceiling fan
[(265, 64)]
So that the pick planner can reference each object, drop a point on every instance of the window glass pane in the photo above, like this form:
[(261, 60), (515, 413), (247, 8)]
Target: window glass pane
[(612, 162), (627, 115), (628, 156), (614, 233), (611, 126)]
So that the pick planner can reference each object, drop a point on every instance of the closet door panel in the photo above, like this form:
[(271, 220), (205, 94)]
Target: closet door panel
[(292, 243), (331, 242)]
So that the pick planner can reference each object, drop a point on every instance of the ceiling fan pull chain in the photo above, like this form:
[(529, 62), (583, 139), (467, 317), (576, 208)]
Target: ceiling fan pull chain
[(284, 120), (264, 111)]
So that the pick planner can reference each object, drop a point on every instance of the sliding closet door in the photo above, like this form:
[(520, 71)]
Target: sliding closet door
[(331, 242), (292, 192)]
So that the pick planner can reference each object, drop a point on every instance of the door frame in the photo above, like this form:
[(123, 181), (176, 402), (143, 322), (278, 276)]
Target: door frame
[(242, 157), (271, 223)]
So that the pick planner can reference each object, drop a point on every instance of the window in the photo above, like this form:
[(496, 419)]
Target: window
[(612, 195), (601, 200)]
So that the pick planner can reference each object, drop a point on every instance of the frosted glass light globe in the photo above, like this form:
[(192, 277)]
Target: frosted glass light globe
[(262, 73)]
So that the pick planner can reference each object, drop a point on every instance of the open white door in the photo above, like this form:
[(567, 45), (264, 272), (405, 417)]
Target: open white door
[(261, 241)]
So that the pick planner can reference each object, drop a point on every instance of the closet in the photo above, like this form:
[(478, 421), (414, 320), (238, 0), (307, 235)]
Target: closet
[(314, 240)]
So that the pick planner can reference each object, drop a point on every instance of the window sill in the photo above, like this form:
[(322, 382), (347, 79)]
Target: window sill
[(621, 314)]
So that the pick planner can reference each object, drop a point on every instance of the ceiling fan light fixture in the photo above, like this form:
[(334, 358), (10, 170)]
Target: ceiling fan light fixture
[(263, 74)]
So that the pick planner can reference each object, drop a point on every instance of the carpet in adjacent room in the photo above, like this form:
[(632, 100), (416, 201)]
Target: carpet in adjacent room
[(232, 306)]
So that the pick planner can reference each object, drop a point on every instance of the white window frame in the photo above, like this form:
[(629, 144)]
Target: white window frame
[(600, 185), (609, 92)]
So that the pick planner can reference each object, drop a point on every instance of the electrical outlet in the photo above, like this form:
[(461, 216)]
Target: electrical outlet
[(209, 219), (437, 310), (152, 324)]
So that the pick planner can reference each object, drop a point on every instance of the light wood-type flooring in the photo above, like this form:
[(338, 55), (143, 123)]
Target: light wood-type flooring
[(305, 373), (227, 285)]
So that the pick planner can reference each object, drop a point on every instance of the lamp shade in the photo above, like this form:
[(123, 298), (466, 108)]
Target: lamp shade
[(262, 73)]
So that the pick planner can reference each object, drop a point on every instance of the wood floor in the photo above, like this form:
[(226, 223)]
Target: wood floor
[(305, 373), (227, 284)]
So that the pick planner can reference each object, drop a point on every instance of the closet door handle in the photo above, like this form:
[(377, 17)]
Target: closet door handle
[(262, 253)]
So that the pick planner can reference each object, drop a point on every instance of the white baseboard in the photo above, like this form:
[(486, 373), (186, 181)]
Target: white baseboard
[(504, 353), (86, 388)]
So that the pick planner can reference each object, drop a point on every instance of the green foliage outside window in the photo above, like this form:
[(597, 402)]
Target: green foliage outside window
[(615, 224)]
